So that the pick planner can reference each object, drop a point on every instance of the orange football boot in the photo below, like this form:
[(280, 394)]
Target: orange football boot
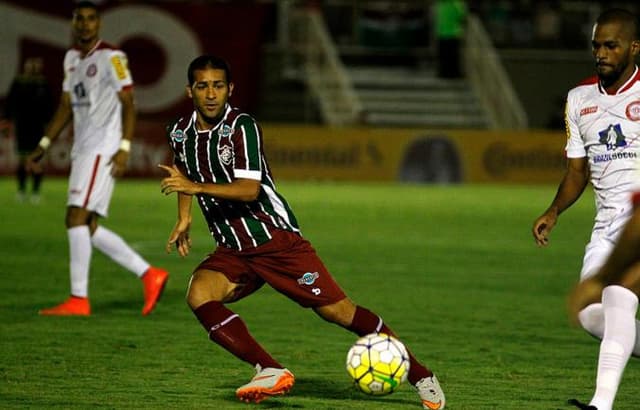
[(74, 306), (154, 280)]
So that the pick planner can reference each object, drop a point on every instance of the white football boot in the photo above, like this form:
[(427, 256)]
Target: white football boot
[(431, 393), (267, 382)]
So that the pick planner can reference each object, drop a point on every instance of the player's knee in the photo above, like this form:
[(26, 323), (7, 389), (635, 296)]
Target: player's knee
[(591, 319), (340, 313), (206, 286)]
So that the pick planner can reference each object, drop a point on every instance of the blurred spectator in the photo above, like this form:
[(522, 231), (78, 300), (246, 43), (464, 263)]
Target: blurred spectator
[(548, 24), (392, 24), (450, 16), (29, 108)]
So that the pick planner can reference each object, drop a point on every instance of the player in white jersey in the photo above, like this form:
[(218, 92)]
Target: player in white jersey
[(98, 96), (603, 146)]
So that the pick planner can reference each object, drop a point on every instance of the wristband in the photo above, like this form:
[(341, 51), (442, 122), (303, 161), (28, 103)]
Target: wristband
[(44, 142), (125, 145)]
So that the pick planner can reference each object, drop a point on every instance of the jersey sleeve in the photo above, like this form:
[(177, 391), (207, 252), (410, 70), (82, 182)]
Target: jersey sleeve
[(66, 67), (247, 143), (118, 69), (575, 144)]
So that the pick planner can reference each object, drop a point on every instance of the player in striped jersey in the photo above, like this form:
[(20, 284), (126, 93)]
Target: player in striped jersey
[(97, 95), (603, 126), (219, 159)]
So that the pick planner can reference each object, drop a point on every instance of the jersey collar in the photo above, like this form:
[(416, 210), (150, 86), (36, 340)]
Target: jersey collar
[(624, 87)]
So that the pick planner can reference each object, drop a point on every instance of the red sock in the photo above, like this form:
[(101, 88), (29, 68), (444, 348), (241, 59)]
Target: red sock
[(229, 331), (365, 322)]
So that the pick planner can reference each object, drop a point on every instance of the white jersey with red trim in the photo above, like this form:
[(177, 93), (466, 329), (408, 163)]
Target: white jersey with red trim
[(93, 83), (606, 129)]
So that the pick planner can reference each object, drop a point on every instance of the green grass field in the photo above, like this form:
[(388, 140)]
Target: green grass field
[(453, 270)]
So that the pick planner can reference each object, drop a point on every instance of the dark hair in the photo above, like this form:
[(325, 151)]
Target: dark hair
[(208, 61), (622, 16)]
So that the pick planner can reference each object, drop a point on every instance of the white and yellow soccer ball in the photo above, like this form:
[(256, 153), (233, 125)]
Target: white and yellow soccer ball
[(378, 364)]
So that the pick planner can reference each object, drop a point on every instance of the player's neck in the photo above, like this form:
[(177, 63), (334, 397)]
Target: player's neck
[(612, 88), (88, 46)]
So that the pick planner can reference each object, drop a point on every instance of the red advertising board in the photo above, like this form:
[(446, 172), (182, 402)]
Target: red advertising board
[(160, 39)]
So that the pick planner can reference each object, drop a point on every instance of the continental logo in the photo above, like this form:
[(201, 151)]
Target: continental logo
[(120, 67), (349, 156), (500, 159)]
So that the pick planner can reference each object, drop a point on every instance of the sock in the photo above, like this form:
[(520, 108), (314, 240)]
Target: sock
[(37, 181), (229, 331), (592, 320), (116, 248), (365, 322), (21, 174), (79, 259), (620, 306)]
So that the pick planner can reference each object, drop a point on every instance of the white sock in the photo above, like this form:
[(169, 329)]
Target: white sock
[(79, 259), (117, 249), (620, 306), (592, 320)]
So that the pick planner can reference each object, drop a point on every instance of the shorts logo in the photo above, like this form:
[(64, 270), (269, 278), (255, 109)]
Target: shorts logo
[(588, 110), (92, 70), (633, 111), (120, 67), (225, 154), (177, 135), (308, 278), (225, 131)]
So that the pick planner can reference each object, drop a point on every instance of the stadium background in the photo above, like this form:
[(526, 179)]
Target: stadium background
[(168, 34)]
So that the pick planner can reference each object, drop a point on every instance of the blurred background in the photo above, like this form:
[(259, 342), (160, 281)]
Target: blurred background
[(415, 91)]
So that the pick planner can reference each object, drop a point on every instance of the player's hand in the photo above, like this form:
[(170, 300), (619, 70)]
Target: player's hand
[(585, 293), (180, 238), (118, 163), (32, 162), (177, 182), (542, 227)]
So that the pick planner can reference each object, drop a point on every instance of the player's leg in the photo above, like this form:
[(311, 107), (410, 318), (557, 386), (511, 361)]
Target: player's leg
[(79, 237), (21, 177), (620, 306), (208, 292)]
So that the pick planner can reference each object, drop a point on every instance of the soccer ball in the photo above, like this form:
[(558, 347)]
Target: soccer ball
[(378, 363)]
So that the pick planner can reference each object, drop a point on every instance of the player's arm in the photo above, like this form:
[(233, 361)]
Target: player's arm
[(570, 189), (119, 160), (59, 121)]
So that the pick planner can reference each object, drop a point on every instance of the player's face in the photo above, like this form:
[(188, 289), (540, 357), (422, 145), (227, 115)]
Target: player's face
[(614, 51), (210, 92), (85, 25)]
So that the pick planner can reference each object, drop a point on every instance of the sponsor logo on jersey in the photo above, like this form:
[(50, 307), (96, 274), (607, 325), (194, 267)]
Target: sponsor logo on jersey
[(588, 110), (225, 154), (119, 66), (92, 70), (225, 131), (308, 278), (177, 135), (633, 111), (613, 137)]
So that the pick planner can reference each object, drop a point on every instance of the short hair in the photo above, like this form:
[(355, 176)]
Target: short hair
[(85, 4), (208, 61), (623, 16)]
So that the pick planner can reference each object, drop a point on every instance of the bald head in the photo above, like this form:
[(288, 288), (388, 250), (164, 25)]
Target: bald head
[(627, 21)]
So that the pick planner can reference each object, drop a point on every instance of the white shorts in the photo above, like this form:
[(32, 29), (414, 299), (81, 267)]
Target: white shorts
[(603, 239), (90, 183)]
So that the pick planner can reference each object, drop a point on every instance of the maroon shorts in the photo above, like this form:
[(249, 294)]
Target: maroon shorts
[(288, 263)]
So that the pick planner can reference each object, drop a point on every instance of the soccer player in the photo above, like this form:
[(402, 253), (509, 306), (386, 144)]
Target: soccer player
[(219, 159), (603, 126), (29, 107), (98, 96)]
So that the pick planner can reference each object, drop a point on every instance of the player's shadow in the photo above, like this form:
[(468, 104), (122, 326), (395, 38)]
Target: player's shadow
[(325, 389)]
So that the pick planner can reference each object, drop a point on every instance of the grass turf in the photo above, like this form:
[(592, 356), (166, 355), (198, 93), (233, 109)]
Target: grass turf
[(453, 270)]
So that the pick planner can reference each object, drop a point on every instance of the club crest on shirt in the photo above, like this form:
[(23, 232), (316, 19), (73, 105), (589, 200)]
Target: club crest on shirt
[(308, 278), (225, 154), (92, 70), (225, 131), (613, 137), (633, 111), (177, 135)]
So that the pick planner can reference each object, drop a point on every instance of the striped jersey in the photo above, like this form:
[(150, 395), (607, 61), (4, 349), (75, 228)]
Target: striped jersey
[(606, 129), (93, 83), (230, 150)]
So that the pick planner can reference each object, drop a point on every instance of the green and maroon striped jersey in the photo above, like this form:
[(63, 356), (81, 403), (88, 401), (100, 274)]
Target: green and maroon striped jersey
[(230, 150)]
